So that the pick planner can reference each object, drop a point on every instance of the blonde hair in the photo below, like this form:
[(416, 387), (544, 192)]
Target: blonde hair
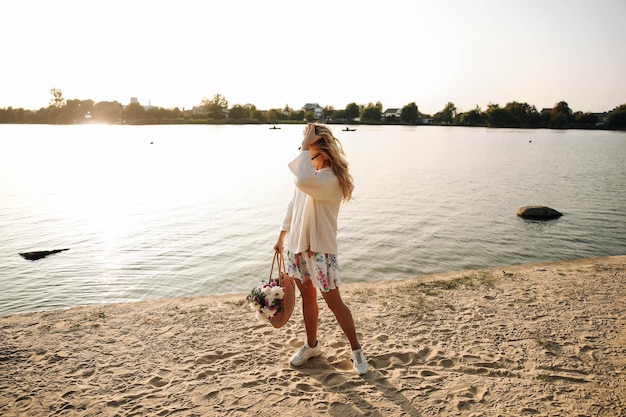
[(336, 157)]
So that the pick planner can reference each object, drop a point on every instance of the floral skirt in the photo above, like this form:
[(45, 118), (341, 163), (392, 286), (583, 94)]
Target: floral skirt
[(321, 268)]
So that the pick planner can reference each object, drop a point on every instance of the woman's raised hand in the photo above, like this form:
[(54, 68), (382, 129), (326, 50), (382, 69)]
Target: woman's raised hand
[(309, 136)]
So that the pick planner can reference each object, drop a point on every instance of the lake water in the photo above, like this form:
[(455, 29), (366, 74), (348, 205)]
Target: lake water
[(153, 212)]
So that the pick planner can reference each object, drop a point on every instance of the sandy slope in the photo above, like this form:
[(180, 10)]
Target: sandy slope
[(545, 339)]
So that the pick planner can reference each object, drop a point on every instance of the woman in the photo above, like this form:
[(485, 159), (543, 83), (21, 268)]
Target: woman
[(310, 226)]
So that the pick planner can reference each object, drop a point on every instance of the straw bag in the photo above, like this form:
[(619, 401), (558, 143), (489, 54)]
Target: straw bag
[(275, 300), (288, 302)]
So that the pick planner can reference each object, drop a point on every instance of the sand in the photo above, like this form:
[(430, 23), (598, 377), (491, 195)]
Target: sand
[(541, 340)]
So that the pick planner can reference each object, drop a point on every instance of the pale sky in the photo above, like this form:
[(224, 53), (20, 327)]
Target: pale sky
[(274, 53)]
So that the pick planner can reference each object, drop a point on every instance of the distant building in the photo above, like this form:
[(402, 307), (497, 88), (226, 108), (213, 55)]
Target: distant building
[(318, 111), (198, 110), (602, 117), (392, 113), (136, 100)]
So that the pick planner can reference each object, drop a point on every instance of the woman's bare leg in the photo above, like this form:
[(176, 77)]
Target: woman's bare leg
[(343, 315), (310, 310)]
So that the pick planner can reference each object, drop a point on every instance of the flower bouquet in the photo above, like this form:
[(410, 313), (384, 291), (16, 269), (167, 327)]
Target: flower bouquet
[(274, 300), (266, 300)]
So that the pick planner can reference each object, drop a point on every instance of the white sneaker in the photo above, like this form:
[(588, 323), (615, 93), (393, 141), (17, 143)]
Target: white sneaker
[(305, 353), (359, 363)]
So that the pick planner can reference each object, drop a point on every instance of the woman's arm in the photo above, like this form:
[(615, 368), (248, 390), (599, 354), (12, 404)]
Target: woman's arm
[(309, 136), (280, 243), (322, 185), (286, 226)]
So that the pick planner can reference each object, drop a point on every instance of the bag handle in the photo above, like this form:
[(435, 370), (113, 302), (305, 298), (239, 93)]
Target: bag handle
[(280, 260)]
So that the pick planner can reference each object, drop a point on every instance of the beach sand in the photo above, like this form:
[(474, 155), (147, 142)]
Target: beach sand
[(543, 340)]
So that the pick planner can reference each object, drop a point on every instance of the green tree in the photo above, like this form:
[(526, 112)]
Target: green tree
[(473, 117), (216, 108), (353, 111), (56, 105), (498, 117), (259, 116), (409, 113), (339, 115), (523, 115), (617, 118), (154, 114), (41, 116), (272, 115), (446, 115), (372, 112), (561, 115), (285, 112), (281, 114), (22, 116), (11, 115), (107, 112), (57, 98), (328, 112), (74, 111), (6, 115), (239, 112), (167, 115), (134, 113), (296, 115), (585, 120)]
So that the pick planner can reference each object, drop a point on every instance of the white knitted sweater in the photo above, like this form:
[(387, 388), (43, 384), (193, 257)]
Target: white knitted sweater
[(311, 218)]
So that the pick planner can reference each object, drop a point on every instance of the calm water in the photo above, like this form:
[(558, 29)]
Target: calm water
[(167, 211)]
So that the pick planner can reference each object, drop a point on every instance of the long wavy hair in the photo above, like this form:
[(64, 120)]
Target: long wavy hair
[(336, 157)]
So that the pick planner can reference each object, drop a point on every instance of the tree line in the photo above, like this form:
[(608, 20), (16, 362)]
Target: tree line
[(217, 110)]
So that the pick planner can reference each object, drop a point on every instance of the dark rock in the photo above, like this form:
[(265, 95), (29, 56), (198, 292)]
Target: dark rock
[(538, 213), (33, 256)]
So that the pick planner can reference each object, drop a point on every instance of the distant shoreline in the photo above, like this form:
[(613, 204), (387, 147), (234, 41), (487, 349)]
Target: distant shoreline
[(332, 123)]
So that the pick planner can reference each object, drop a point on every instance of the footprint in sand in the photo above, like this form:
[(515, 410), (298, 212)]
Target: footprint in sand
[(158, 382), (467, 390), (382, 338), (393, 360), (23, 402), (333, 379), (446, 363), (213, 357), (430, 375)]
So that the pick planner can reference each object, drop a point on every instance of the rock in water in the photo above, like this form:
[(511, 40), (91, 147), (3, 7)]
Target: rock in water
[(538, 213), (33, 256)]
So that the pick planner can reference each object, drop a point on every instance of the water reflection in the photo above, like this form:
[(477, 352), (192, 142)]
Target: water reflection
[(164, 211)]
